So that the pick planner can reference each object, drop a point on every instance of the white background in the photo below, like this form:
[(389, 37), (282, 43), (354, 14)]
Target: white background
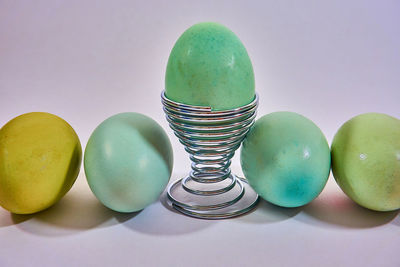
[(87, 60)]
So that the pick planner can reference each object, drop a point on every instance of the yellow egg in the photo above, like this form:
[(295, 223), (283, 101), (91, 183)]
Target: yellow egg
[(40, 158)]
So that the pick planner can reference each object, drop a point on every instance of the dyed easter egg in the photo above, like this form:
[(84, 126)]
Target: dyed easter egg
[(40, 158), (286, 159), (366, 160), (128, 161), (209, 66)]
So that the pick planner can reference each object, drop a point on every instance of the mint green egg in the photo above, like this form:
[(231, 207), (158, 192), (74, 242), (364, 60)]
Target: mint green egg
[(286, 159), (209, 66), (366, 160), (128, 161)]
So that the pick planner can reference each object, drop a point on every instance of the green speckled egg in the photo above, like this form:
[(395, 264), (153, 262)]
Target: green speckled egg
[(286, 159), (128, 161), (209, 66), (366, 160)]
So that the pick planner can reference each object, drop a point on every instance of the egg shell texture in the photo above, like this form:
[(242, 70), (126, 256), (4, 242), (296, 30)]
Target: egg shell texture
[(128, 161), (40, 159), (286, 159), (209, 66), (366, 160)]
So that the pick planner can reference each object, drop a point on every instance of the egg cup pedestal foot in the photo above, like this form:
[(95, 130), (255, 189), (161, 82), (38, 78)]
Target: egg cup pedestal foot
[(210, 191)]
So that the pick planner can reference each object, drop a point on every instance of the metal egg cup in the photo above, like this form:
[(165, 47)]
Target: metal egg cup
[(210, 191)]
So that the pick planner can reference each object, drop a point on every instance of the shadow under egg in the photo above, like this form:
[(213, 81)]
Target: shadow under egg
[(266, 212), (74, 213), (336, 209), (161, 219), (10, 219)]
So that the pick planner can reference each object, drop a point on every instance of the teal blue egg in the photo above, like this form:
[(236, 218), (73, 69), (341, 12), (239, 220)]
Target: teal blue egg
[(128, 161), (286, 159)]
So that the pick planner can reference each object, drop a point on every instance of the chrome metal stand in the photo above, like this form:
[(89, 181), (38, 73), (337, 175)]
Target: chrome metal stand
[(210, 191)]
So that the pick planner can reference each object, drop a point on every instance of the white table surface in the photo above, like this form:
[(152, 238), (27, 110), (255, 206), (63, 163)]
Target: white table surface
[(87, 60)]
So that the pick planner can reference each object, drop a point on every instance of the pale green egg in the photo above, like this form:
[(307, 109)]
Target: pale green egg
[(366, 160), (209, 66), (128, 162), (286, 159)]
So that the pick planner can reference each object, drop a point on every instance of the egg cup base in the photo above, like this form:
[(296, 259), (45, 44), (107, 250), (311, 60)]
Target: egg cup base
[(239, 200)]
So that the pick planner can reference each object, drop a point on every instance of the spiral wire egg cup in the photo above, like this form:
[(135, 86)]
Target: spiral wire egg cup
[(210, 191)]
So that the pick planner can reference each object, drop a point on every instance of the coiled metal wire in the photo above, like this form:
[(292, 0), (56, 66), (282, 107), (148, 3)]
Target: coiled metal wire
[(211, 138)]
